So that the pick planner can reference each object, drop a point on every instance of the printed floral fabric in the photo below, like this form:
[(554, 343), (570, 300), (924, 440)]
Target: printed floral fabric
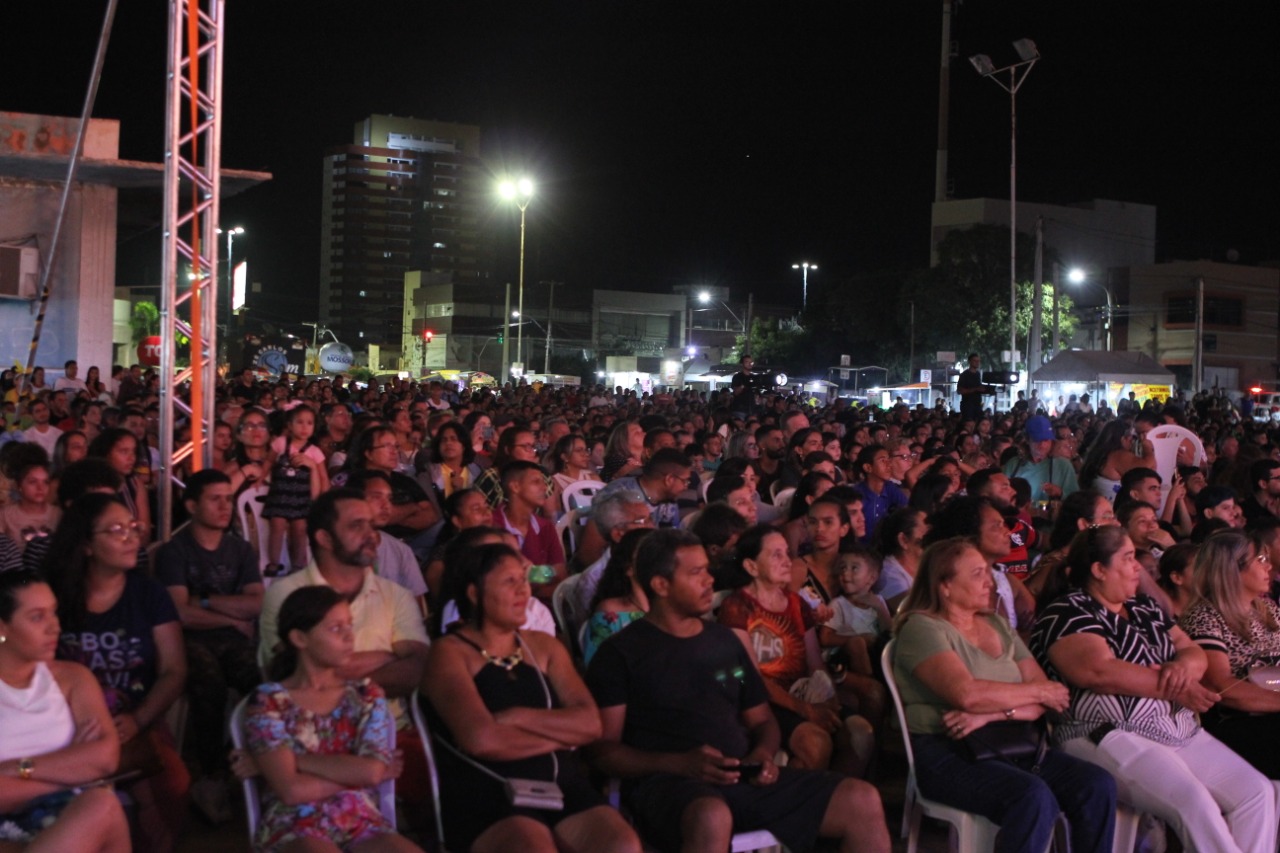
[(360, 725)]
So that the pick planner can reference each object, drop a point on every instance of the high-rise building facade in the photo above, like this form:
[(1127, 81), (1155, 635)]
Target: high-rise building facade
[(404, 195)]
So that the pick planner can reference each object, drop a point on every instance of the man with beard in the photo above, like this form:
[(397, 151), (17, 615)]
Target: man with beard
[(390, 641), (993, 485), (773, 451)]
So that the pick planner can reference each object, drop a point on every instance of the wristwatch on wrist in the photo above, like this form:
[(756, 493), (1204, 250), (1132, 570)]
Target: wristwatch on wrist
[(25, 767)]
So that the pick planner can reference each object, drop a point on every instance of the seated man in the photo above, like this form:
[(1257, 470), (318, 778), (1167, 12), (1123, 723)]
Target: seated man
[(687, 725), (212, 577), (395, 560), (524, 489)]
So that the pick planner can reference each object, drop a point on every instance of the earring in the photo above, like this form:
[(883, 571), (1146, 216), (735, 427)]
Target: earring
[(3, 638)]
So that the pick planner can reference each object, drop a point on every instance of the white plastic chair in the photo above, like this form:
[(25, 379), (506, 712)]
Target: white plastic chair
[(257, 529), (424, 735), (1165, 441), (564, 605), (579, 494), (567, 529), (386, 792), (974, 833)]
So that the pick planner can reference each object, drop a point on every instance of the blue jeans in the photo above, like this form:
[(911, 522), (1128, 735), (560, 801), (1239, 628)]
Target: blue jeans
[(1025, 805)]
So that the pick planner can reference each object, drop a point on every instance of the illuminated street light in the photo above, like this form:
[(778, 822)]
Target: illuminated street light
[(805, 266), (1078, 276), (1028, 55), (520, 191)]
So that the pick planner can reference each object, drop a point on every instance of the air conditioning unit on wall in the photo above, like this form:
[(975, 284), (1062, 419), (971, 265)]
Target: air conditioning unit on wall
[(19, 271)]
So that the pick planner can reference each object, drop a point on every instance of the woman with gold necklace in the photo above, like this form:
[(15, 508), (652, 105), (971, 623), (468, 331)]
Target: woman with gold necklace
[(509, 705)]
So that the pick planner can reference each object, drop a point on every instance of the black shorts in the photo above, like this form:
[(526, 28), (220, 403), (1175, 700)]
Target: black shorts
[(791, 808)]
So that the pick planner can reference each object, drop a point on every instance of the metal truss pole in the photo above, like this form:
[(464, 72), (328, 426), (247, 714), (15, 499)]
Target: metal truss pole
[(192, 184)]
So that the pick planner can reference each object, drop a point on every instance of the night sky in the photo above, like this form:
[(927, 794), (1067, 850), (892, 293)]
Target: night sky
[(706, 142)]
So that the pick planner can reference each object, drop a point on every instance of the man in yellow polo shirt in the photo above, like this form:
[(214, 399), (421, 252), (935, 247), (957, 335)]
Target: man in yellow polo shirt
[(390, 640)]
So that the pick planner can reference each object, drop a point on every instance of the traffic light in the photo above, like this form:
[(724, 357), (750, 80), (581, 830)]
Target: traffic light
[(501, 338), (427, 335)]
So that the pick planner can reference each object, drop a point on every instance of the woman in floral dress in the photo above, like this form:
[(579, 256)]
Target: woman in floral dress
[(322, 744)]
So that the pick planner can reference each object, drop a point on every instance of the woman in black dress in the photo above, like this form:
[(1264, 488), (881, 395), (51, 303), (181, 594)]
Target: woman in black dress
[(510, 705)]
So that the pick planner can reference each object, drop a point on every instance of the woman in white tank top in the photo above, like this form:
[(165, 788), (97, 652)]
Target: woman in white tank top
[(46, 758)]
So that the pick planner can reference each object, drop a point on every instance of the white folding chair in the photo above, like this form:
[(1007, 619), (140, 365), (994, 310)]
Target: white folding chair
[(567, 529), (564, 605), (256, 529), (424, 735), (1166, 440), (579, 494), (386, 792), (974, 833)]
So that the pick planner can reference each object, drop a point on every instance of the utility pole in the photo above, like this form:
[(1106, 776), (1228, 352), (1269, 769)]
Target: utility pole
[(1037, 305), (551, 298), (506, 327)]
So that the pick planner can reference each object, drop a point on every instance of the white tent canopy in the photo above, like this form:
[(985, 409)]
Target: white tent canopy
[(1097, 367)]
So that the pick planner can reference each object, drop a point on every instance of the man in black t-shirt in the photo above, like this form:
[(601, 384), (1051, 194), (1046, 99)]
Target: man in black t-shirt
[(687, 725), (213, 578)]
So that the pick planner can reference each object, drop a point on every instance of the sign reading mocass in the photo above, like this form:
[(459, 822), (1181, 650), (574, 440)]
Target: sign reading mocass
[(336, 357)]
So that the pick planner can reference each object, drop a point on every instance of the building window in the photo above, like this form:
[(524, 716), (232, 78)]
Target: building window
[(1218, 311)]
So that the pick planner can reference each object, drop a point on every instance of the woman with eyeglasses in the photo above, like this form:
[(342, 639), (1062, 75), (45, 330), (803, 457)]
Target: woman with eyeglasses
[(124, 627), (1238, 627), (120, 448), (251, 453), (570, 461), (1135, 681)]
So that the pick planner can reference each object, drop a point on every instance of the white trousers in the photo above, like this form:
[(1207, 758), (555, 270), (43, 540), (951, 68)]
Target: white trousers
[(1211, 797)]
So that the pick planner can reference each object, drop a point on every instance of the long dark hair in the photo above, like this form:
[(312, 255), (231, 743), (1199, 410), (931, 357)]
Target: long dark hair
[(614, 582), (1110, 439), (304, 609), (468, 452), (66, 565), (473, 568)]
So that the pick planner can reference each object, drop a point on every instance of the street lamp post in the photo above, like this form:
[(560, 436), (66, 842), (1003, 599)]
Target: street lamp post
[(1078, 276), (1018, 71), (706, 299), (521, 191), (804, 266)]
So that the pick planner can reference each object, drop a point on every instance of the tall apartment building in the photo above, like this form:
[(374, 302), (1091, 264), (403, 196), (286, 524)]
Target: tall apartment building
[(404, 195)]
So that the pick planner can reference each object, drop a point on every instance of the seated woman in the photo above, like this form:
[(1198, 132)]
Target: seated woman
[(619, 600), (1175, 573), (506, 704), (453, 467), (1239, 629), (1078, 511), (811, 487), (1135, 688), (960, 668), (570, 460), (322, 744), (462, 510), (107, 606), (57, 734), (779, 629), (900, 544)]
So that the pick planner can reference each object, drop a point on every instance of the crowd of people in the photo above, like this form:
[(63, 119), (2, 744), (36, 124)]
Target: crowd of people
[(628, 616)]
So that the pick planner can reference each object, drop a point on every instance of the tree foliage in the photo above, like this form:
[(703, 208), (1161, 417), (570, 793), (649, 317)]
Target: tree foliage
[(960, 305), (144, 321)]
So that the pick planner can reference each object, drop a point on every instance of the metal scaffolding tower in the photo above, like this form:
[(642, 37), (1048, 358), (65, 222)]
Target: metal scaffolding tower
[(192, 183)]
